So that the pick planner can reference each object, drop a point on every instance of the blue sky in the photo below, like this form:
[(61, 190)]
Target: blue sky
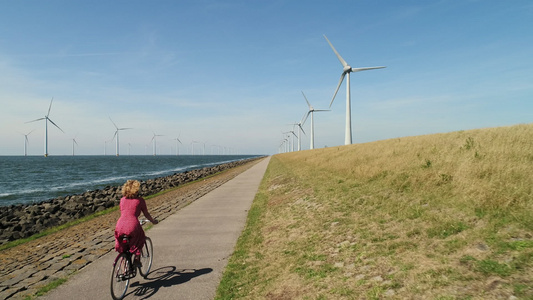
[(230, 73)]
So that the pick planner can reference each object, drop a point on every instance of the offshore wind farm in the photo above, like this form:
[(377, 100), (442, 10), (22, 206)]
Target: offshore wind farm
[(236, 80)]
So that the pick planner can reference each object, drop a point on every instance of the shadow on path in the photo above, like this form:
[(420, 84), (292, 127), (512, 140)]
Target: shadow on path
[(165, 277)]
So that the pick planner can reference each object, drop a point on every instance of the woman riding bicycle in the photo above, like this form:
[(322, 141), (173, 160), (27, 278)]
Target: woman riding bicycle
[(128, 224)]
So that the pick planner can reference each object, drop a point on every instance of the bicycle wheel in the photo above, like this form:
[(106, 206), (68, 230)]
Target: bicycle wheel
[(120, 277), (146, 257)]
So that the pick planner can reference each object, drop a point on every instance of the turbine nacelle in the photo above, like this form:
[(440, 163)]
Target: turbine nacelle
[(347, 69)]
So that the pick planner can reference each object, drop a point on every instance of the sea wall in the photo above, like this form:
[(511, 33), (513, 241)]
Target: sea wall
[(21, 221)]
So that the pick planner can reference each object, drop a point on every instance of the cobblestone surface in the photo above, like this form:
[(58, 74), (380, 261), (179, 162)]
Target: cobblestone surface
[(26, 268)]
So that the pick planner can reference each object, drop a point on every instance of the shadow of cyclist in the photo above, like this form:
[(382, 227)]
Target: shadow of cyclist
[(165, 277)]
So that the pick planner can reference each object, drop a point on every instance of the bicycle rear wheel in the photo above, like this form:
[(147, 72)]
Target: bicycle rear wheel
[(146, 257), (120, 277)]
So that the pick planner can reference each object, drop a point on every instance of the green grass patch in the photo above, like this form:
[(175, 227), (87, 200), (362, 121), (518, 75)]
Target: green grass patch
[(491, 267), (446, 229), (45, 289), (239, 276)]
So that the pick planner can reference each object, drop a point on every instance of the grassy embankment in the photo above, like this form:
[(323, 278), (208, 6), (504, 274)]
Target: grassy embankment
[(444, 216)]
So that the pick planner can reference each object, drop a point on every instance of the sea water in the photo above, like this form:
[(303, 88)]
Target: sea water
[(32, 179)]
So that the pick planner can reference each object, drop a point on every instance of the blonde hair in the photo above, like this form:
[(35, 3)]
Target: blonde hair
[(130, 189)]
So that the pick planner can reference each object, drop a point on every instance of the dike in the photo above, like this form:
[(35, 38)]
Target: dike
[(24, 220)]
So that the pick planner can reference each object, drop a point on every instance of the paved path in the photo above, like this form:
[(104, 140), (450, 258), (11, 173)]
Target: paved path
[(191, 248)]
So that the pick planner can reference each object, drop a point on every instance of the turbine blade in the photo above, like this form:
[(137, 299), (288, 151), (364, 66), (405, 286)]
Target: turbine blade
[(322, 110), (308, 104), (303, 117), (55, 125), (343, 62), (302, 129), (113, 123), (50, 107), (306, 116), (35, 120), (337, 90), (365, 69)]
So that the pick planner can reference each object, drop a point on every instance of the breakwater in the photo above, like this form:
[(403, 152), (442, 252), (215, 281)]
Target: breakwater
[(21, 221)]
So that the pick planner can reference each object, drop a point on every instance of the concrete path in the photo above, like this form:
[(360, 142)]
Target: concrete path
[(191, 248)]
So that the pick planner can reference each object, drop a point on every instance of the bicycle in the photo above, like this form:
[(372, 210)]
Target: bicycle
[(124, 269)]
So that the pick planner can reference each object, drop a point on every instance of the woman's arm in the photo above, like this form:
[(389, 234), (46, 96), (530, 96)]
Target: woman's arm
[(144, 209)]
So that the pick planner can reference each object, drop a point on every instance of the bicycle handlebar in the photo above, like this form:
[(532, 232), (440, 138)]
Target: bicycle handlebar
[(144, 221)]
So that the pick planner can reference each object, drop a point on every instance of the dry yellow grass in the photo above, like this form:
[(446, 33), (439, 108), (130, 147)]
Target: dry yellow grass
[(444, 216)]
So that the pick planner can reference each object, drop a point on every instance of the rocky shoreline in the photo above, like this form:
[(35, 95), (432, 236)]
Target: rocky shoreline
[(25, 220)]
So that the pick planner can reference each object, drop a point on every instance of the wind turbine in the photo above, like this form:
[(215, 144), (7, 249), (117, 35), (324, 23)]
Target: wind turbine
[(26, 142), (177, 146), (204, 146), (46, 119), (154, 142), (300, 130), (311, 112), (73, 142), (347, 69), (292, 138), (192, 146), (105, 146), (116, 134)]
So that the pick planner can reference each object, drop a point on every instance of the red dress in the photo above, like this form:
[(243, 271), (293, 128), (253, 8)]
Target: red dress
[(128, 224)]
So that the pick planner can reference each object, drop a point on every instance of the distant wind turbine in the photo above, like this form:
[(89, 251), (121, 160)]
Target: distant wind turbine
[(311, 112), (347, 69), (105, 146), (177, 146), (154, 142), (46, 119), (192, 146), (292, 139), (300, 130), (73, 142), (26, 142), (204, 147), (116, 135)]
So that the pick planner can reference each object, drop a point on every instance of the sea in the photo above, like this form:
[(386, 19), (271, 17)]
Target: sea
[(33, 179)]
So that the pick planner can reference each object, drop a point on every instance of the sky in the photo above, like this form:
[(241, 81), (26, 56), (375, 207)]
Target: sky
[(228, 76)]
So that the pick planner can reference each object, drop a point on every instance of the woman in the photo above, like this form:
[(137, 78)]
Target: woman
[(131, 206)]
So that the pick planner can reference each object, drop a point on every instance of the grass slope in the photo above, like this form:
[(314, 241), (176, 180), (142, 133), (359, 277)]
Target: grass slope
[(444, 216)]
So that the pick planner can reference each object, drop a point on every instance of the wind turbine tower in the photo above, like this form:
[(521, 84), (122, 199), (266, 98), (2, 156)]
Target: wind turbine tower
[(46, 119), (300, 130), (26, 142), (73, 143), (311, 112), (154, 142), (347, 69), (116, 134), (177, 146)]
